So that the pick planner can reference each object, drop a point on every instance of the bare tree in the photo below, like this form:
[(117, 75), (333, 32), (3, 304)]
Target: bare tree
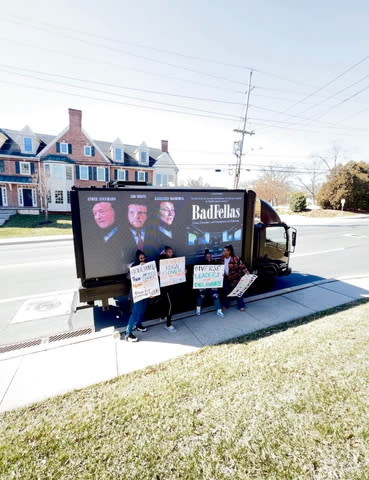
[(323, 165), (331, 158), (196, 182), (312, 180), (43, 183), (274, 184)]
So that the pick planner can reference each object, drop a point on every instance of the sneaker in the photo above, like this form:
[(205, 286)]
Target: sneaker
[(141, 328), (171, 328), (198, 311), (220, 314), (131, 338), (242, 309)]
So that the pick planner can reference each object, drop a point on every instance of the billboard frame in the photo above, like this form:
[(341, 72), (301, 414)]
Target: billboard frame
[(104, 281)]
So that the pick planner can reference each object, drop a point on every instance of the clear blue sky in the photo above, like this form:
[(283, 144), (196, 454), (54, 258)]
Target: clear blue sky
[(131, 66)]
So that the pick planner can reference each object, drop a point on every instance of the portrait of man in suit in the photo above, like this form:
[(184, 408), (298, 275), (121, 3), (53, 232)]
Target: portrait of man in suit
[(104, 216), (103, 247), (166, 215), (137, 216)]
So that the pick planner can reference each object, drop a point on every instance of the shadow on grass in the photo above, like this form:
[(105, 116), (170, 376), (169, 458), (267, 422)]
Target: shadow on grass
[(282, 327), (39, 221)]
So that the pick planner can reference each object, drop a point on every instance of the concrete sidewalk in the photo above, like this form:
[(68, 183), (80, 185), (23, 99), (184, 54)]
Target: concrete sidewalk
[(32, 374)]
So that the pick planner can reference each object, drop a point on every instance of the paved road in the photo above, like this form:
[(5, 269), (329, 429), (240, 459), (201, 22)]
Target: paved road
[(336, 249)]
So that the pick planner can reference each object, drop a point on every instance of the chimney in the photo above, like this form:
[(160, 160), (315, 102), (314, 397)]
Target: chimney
[(75, 119), (164, 146)]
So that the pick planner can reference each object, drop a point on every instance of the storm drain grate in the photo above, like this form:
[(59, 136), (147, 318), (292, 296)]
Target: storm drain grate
[(16, 346), (75, 333), (39, 341)]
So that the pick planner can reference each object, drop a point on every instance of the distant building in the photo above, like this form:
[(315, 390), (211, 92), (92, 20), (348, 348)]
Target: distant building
[(37, 168)]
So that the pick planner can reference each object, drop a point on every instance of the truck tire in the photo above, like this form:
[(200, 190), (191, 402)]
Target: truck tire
[(264, 282)]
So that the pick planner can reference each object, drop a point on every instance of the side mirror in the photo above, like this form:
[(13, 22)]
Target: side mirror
[(293, 240)]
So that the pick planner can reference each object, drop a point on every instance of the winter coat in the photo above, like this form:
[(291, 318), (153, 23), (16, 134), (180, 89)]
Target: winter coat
[(236, 269)]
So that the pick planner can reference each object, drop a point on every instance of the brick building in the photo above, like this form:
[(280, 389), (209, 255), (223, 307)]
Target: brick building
[(35, 168)]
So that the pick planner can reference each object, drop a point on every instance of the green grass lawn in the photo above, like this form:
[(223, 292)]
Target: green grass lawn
[(34, 225), (288, 403)]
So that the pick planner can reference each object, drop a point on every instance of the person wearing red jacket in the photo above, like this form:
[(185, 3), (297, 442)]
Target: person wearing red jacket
[(234, 269)]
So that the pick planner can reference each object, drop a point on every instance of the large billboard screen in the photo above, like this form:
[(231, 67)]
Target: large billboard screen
[(114, 223)]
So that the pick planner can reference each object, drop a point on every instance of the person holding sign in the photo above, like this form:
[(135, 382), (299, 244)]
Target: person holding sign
[(212, 291), (234, 269), (167, 291), (138, 309)]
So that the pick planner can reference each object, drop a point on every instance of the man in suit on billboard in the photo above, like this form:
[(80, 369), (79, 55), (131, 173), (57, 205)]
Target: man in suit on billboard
[(141, 236)]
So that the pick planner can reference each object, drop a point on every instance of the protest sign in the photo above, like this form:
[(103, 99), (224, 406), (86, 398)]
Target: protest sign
[(172, 271), (242, 285), (208, 276), (145, 281)]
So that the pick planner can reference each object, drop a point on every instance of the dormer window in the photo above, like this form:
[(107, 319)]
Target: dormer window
[(143, 157), (117, 154), (27, 144)]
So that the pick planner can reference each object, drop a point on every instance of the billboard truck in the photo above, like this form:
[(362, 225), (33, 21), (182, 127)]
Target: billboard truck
[(110, 224)]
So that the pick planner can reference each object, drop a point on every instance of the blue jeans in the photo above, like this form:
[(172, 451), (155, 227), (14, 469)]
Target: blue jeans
[(137, 315), (226, 290), (214, 294)]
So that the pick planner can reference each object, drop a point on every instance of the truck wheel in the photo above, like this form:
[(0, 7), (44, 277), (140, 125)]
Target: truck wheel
[(264, 282)]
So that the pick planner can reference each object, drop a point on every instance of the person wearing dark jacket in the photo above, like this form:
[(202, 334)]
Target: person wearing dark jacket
[(212, 291), (167, 293), (138, 309)]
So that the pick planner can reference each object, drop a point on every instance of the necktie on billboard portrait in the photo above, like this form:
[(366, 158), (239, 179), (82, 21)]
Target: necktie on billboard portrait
[(139, 241)]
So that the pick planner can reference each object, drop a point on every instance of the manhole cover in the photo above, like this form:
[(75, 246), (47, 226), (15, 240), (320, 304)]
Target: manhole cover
[(44, 307)]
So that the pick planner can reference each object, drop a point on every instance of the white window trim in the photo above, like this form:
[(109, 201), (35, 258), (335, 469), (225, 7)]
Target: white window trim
[(34, 198), (24, 145), (21, 199), (125, 175), (55, 197), (68, 168), (90, 150), (99, 169), (61, 147), (121, 154), (141, 173), (146, 161), (4, 195), (22, 165), (20, 196), (81, 167)]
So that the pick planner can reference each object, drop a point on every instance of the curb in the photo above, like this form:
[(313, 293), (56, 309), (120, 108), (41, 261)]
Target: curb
[(25, 240)]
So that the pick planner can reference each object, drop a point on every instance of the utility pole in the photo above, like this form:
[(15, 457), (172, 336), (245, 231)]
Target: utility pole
[(238, 151)]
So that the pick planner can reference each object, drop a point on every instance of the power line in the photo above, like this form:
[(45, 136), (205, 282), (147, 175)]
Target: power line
[(336, 94), (144, 57), (53, 90), (123, 87), (104, 62), (233, 117), (330, 82), (22, 21), (13, 69)]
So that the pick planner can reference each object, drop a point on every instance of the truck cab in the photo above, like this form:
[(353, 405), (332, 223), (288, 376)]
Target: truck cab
[(273, 242)]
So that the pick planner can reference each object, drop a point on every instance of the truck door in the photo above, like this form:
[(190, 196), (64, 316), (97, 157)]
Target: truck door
[(276, 244)]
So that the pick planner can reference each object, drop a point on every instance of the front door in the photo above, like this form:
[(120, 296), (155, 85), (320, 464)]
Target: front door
[(27, 197), (59, 184)]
